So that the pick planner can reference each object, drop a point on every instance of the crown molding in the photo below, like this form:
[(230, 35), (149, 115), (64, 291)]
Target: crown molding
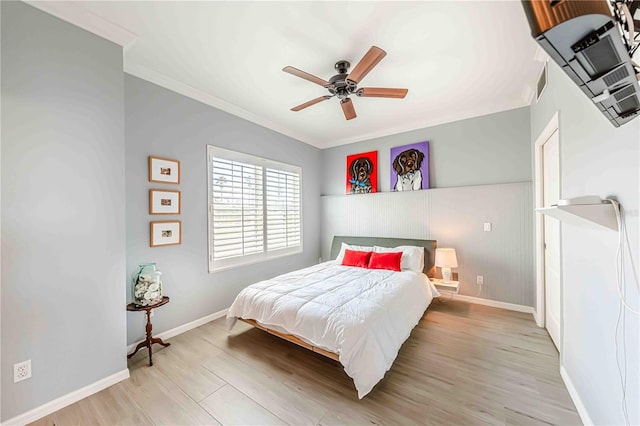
[(174, 85), (434, 121), (206, 98), (74, 14)]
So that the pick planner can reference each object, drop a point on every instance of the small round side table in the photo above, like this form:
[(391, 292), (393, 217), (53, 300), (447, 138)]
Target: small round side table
[(149, 340)]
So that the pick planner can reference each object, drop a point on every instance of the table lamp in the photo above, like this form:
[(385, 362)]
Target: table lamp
[(446, 259)]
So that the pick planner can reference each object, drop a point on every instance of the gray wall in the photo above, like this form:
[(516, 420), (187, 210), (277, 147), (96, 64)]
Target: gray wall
[(63, 216), (163, 123), (454, 217), (492, 149), (484, 150), (595, 159)]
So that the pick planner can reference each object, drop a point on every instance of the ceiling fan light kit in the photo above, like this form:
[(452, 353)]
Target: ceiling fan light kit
[(344, 84), (348, 109)]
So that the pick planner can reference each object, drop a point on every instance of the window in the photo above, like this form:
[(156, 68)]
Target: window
[(254, 209)]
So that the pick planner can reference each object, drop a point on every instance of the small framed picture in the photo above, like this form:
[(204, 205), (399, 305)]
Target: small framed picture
[(166, 233), (164, 201), (164, 170)]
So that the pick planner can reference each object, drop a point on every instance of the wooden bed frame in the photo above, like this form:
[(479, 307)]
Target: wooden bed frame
[(429, 260), (293, 339)]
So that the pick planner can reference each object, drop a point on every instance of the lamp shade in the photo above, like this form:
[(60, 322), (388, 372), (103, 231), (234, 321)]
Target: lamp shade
[(446, 258)]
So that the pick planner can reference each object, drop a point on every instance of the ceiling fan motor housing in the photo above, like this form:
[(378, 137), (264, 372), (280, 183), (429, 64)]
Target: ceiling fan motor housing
[(338, 84), (342, 66)]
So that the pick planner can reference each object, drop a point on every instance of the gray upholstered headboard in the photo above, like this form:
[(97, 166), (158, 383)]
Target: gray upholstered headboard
[(429, 247)]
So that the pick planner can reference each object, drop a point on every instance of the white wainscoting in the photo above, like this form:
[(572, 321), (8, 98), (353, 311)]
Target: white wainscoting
[(454, 217)]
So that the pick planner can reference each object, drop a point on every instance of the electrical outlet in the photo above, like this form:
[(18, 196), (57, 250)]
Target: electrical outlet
[(21, 371), (479, 280), (487, 226)]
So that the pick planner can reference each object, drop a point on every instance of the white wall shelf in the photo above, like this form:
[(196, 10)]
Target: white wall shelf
[(602, 214)]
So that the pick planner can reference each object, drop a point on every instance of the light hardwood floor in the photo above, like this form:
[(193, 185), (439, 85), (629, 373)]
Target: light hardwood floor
[(464, 364)]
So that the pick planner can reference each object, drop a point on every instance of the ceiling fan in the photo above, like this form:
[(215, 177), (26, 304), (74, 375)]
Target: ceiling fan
[(342, 84)]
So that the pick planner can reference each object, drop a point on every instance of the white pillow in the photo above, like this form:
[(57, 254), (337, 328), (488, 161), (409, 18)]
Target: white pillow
[(346, 246), (412, 256)]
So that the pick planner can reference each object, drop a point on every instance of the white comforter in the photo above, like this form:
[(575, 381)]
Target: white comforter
[(363, 315)]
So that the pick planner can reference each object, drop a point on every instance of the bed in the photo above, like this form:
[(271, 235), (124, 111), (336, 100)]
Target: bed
[(357, 316)]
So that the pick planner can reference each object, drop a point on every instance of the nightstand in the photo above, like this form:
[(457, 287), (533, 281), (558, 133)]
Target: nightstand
[(451, 287)]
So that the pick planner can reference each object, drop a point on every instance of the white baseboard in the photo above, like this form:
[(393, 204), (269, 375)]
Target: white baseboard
[(68, 399), (495, 303), (75, 396), (184, 327), (573, 393), (538, 318)]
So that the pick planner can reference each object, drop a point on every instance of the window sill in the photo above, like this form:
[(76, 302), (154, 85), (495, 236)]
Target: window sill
[(253, 261)]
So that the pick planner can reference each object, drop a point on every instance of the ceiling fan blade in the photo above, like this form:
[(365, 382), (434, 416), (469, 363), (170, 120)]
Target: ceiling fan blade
[(366, 64), (305, 75), (381, 92), (311, 102), (348, 109)]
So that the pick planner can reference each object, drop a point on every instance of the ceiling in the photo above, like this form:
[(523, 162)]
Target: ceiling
[(458, 59)]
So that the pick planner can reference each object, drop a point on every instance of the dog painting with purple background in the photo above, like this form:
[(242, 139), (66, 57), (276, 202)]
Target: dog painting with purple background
[(410, 167)]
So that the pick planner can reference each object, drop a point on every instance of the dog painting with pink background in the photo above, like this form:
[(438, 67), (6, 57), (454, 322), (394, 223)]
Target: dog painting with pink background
[(410, 167)]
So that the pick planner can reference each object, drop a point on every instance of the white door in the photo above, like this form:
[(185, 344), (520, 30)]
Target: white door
[(551, 194)]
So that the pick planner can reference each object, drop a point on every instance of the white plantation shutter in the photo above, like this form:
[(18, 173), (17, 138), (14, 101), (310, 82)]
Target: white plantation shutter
[(254, 209), (238, 226), (283, 209)]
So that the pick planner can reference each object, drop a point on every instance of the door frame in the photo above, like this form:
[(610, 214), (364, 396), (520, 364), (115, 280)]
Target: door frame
[(551, 127)]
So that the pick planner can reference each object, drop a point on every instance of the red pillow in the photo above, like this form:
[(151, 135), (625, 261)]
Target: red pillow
[(356, 258), (389, 260)]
